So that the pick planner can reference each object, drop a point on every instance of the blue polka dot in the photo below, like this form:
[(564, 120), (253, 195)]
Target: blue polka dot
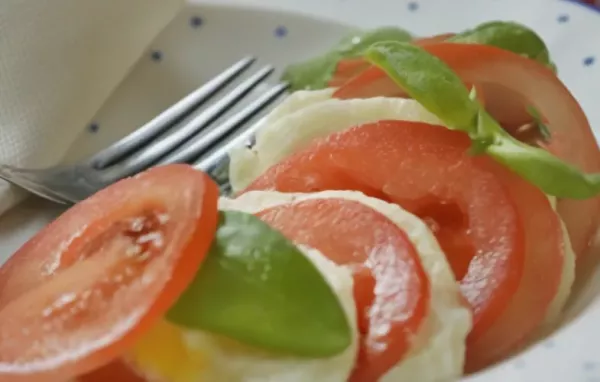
[(156, 55), (413, 6), (519, 364), (196, 22), (589, 366), (563, 18), (549, 344), (589, 61), (281, 31), (93, 127)]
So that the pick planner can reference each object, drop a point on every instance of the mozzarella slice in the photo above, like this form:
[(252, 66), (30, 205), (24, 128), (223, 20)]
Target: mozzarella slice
[(307, 115), (554, 313), (438, 354)]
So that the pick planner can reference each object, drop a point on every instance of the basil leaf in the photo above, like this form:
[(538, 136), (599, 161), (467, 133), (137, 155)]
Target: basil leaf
[(543, 169), (356, 43), (315, 73), (510, 36), (428, 80), (255, 286)]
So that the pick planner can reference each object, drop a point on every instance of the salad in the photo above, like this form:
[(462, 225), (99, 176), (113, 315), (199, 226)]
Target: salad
[(413, 211)]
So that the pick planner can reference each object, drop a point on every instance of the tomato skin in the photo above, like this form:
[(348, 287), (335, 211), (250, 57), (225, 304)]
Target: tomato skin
[(510, 83), (71, 284)]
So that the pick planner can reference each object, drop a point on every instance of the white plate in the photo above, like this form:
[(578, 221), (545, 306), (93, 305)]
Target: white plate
[(206, 38)]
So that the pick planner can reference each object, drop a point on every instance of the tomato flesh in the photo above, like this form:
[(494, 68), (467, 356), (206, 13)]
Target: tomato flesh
[(472, 205), (511, 83), (381, 255), (82, 291)]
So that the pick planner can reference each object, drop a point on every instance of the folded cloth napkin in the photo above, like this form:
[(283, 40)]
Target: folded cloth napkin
[(59, 61)]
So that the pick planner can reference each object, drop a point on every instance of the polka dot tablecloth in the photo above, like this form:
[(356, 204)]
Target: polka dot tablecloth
[(280, 31)]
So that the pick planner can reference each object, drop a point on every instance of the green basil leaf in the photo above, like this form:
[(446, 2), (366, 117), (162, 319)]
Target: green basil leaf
[(315, 73), (537, 165), (428, 80), (543, 169), (433, 84), (255, 286), (509, 36), (356, 43)]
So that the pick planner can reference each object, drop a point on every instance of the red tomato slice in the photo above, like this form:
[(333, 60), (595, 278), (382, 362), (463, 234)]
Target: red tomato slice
[(510, 83), (350, 233), (542, 275), (87, 286), (498, 232)]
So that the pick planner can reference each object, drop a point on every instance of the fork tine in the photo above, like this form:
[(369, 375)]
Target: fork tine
[(200, 145), (169, 117), (11, 175), (215, 158), (162, 146)]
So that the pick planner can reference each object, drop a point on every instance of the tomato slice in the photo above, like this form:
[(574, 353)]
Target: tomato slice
[(380, 254), (542, 275), (497, 231), (86, 287), (511, 83)]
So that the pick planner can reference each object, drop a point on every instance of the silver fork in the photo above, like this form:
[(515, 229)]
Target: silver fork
[(174, 136)]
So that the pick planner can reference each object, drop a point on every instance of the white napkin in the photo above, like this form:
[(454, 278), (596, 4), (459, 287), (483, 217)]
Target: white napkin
[(59, 61)]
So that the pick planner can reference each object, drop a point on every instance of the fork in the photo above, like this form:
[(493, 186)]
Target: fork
[(176, 135)]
